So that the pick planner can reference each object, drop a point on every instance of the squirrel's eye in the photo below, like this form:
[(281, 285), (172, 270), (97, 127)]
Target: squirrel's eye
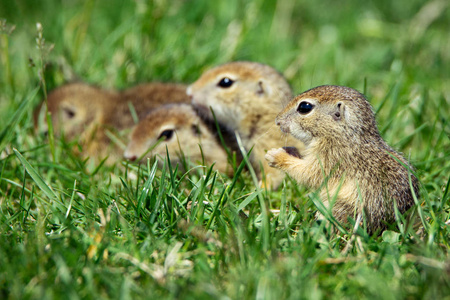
[(225, 82), (166, 134), (69, 113), (305, 107)]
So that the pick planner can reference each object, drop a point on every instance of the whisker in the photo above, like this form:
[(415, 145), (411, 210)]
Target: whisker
[(283, 137), (264, 133)]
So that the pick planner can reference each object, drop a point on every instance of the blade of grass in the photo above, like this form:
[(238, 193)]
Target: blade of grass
[(445, 196), (162, 192), (71, 198), (405, 140), (247, 201), (146, 190), (7, 133), (265, 232), (35, 176)]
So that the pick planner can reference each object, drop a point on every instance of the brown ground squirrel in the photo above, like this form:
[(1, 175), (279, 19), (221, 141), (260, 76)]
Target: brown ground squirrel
[(180, 129), (245, 98), (74, 108), (88, 112), (344, 154), (80, 110)]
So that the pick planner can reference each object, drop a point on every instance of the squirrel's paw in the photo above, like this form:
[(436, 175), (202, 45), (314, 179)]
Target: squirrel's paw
[(274, 156)]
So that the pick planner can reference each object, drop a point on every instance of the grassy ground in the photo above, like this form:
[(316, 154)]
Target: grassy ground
[(72, 229)]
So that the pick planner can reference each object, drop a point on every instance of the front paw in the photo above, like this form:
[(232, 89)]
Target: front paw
[(274, 157)]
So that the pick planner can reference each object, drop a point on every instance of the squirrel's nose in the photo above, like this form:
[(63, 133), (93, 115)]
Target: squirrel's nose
[(129, 156)]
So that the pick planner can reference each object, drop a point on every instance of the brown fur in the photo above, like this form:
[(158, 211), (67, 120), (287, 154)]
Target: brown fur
[(82, 111), (87, 112), (74, 107), (343, 145), (148, 96), (188, 133), (247, 107)]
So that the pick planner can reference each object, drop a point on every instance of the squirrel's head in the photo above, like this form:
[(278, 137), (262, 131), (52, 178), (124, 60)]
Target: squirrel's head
[(238, 89), (74, 108), (328, 112), (173, 128)]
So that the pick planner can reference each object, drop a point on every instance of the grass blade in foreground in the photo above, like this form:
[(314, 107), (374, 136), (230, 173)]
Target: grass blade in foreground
[(36, 177), (7, 133)]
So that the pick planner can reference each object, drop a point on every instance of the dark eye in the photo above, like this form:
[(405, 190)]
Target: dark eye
[(69, 113), (166, 134), (225, 82), (305, 107)]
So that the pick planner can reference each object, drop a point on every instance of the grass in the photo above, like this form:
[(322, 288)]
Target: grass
[(70, 228)]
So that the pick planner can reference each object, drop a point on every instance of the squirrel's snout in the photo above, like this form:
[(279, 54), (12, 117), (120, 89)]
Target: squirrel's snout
[(129, 156), (283, 124), (277, 121)]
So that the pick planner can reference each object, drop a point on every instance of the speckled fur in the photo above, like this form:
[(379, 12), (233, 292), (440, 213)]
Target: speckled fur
[(345, 147), (189, 132), (248, 107)]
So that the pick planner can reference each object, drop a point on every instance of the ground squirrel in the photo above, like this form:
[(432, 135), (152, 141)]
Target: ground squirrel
[(88, 112), (179, 128), (344, 154), (75, 107), (80, 110), (245, 98)]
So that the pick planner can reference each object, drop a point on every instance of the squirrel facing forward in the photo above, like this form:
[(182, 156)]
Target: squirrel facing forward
[(345, 156), (245, 98), (178, 129)]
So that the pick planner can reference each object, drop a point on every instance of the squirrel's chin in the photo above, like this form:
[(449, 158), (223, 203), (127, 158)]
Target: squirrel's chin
[(203, 111)]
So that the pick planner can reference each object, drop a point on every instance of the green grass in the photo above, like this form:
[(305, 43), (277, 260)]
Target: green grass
[(70, 228)]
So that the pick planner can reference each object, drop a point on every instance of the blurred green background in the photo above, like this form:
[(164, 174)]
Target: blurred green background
[(116, 43)]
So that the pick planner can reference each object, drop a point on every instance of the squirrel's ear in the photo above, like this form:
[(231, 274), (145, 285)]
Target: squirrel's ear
[(196, 130), (263, 88), (338, 111)]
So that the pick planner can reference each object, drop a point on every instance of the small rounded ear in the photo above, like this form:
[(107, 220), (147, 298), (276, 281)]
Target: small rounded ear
[(338, 111), (196, 130), (263, 88)]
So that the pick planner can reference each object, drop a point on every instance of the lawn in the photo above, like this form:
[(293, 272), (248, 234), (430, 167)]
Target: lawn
[(71, 228)]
